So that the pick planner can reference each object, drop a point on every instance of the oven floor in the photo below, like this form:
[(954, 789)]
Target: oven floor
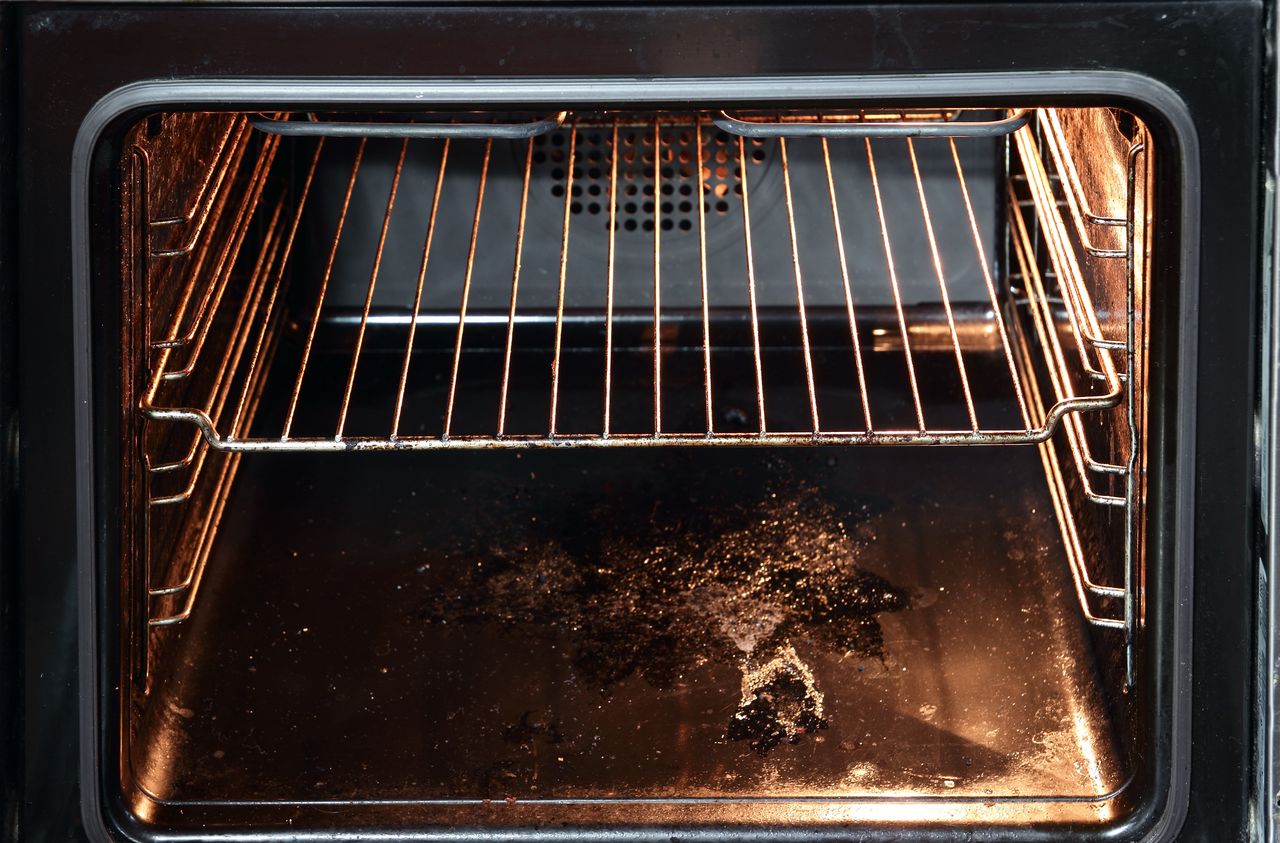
[(577, 624)]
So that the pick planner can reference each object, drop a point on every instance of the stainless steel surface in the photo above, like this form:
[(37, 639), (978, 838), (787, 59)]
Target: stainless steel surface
[(434, 697), (952, 124), (392, 129), (1268, 734)]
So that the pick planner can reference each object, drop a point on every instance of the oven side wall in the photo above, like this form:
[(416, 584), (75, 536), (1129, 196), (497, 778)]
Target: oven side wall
[(122, 45)]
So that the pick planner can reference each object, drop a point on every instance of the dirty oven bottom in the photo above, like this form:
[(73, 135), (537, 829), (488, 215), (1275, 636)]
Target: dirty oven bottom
[(633, 623)]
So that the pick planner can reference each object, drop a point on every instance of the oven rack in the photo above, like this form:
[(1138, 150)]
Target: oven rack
[(1058, 238), (1088, 590), (1052, 228), (172, 598), (1085, 380), (186, 235), (1040, 331)]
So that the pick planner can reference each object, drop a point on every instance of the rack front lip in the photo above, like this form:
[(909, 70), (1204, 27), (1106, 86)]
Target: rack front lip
[(562, 440), (132, 98)]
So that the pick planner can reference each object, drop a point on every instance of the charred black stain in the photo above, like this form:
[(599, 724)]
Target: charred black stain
[(782, 706), (642, 582)]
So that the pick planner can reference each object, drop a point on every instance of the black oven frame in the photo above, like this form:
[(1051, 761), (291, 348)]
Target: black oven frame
[(227, 56), (96, 263)]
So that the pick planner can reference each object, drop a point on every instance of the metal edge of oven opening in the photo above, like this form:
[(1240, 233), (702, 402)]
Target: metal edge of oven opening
[(1268, 461), (1125, 88)]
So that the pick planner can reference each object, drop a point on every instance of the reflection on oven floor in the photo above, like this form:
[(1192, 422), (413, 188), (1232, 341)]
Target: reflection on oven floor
[(579, 624)]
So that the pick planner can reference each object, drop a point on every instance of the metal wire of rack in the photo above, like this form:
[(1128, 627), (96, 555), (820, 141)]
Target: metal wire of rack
[(1062, 230), (214, 417)]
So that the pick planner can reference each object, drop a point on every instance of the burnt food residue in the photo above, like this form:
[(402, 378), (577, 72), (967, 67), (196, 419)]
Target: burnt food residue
[(639, 588)]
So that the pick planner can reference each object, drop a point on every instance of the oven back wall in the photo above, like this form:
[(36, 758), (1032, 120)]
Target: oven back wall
[(1179, 44)]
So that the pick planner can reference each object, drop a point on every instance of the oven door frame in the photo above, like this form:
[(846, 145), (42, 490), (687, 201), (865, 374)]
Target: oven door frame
[(1165, 730), (903, 38)]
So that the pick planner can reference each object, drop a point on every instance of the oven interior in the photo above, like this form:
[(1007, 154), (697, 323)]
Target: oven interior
[(770, 463)]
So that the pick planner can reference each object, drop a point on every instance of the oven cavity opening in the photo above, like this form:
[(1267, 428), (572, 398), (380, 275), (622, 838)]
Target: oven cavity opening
[(646, 514)]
